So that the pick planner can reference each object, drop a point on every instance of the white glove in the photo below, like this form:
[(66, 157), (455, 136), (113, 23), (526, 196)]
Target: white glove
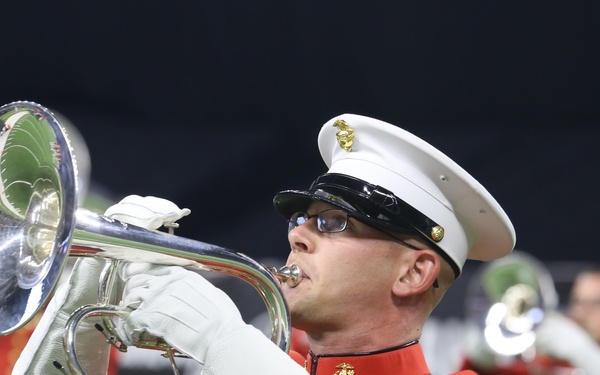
[(46, 344), (562, 338), (199, 320), (146, 212)]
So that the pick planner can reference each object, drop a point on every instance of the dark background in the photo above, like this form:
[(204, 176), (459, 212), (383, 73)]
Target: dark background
[(216, 105)]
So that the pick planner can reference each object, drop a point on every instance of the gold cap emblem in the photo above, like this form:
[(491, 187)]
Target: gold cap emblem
[(437, 233), (345, 134), (346, 369)]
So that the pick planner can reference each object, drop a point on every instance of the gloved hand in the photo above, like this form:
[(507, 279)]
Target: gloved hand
[(45, 344), (199, 320), (562, 338), (178, 305), (146, 212)]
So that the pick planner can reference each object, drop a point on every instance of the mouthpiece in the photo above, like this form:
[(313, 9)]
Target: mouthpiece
[(291, 274)]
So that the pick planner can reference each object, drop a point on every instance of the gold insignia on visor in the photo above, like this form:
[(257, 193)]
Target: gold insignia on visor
[(345, 136), (437, 233), (346, 369)]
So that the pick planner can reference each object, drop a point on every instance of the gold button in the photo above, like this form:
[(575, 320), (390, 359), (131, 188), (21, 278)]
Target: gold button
[(437, 233)]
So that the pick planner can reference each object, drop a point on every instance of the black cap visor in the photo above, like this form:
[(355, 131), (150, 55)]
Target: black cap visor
[(368, 203)]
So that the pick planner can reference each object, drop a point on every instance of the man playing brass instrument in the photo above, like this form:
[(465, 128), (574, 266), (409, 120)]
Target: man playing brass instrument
[(379, 238)]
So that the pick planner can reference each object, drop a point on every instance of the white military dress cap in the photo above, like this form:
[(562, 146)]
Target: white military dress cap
[(389, 178)]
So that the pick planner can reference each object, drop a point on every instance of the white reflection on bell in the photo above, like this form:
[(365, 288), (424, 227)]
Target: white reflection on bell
[(499, 339)]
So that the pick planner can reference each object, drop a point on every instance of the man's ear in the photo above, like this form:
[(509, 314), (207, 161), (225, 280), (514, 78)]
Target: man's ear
[(419, 273)]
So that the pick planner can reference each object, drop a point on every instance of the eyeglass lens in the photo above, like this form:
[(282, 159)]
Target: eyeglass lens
[(328, 221)]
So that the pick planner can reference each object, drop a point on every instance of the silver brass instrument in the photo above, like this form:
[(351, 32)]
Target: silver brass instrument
[(40, 226)]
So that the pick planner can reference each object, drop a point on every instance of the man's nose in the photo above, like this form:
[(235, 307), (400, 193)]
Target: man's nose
[(303, 237)]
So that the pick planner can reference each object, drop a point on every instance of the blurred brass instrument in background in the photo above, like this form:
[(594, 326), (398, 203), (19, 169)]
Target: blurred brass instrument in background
[(41, 226), (509, 298)]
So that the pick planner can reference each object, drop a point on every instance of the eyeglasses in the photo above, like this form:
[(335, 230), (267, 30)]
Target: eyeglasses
[(332, 221)]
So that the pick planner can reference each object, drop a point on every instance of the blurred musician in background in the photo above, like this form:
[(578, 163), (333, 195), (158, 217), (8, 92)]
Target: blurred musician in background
[(574, 337), (584, 302), (519, 329)]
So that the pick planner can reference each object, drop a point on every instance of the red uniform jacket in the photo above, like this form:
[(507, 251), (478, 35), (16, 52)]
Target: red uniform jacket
[(407, 359)]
